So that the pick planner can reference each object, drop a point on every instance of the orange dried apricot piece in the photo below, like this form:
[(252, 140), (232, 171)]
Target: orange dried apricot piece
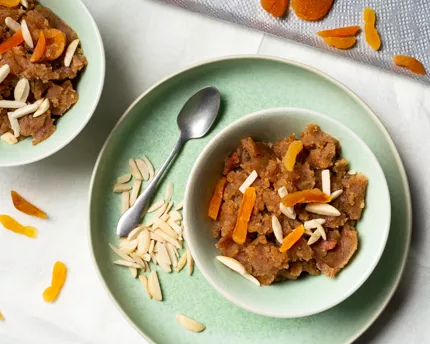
[(216, 199), (346, 31), (14, 226), (409, 62), (292, 238), (340, 42), (10, 3), (276, 8), (59, 273), (39, 49), (306, 196), (26, 207), (372, 35), (1, 316), (12, 42), (245, 212), (290, 157), (311, 10), (55, 43)]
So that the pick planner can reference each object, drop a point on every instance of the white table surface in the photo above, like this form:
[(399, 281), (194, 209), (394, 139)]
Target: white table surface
[(144, 42)]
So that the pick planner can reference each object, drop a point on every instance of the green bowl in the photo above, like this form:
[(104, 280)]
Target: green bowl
[(311, 294), (89, 87)]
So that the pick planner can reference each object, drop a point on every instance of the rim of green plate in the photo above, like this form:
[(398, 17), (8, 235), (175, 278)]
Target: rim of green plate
[(91, 110), (377, 121)]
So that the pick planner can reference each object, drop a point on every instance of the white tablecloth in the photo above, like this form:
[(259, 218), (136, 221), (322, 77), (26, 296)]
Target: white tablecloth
[(146, 41)]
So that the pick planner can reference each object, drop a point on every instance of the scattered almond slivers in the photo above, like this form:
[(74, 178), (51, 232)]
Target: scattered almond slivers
[(11, 104), (70, 52), (12, 24), (233, 264), (248, 181), (190, 324), (9, 138), (277, 229), (181, 263), (4, 72), (154, 286), (121, 254), (322, 209), (312, 224), (325, 179), (251, 278), (133, 272), (144, 281), (22, 90), (190, 262), (135, 191), (169, 192), (151, 170), (44, 106), (288, 211), (282, 192), (336, 194), (125, 178), (120, 188), (26, 34), (125, 201)]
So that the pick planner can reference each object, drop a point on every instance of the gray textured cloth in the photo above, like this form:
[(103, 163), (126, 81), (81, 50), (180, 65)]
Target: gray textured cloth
[(404, 26)]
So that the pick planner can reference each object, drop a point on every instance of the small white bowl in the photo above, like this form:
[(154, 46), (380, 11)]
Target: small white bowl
[(305, 296)]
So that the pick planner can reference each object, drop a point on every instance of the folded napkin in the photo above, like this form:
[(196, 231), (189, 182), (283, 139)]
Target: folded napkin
[(404, 27)]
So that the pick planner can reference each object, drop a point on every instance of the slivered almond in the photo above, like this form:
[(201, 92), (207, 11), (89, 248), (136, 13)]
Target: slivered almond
[(143, 242), (322, 209), (314, 237), (144, 281), (311, 224), (134, 170), (352, 172), (169, 206), (252, 279), (126, 263), (179, 206), (154, 286), (163, 266), (137, 260), (181, 263), (4, 72), (146, 257), (26, 110), (166, 228), (163, 255), (22, 90), (14, 124), (277, 229), (124, 178), (42, 108), (147, 268), (322, 231), (119, 188), (12, 24), (11, 104), (190, 324), (70, 52), (151, 246), (336, 194), (248, 181), (135, 191), (127, 246), (121, 254), (172, 254), (151, 170), (169, 192), (156, 206), (156, 237), (175, 215), (164, 217), (141, 165), (125, 201), (154, 259), (133, 272), (288, 211), (26, 34), (135, 232), (176, 227), (160, 211), (190, 262), (233, 264), (325, 181), (9, 138), (24, 3), (167, 238), (282, 192)]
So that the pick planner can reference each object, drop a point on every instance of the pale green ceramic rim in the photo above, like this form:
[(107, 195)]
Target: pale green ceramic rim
[(93, 80), (287, 311), (398, 162)]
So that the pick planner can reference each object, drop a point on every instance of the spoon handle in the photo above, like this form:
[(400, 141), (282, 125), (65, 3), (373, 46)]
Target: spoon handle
[(133, 215)]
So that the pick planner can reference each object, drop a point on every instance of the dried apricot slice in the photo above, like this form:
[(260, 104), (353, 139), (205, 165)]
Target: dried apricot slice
[(346, 31), (59, 273), (12, 42), (10, 3), (372, 35), (26, 207), (1, 316), (340, 42), (276, 8), (14, 226), (311, 10), (216, 199), (55, 43), (292, 238), (39, 49), (294, 149), (245, 212), (409, 62), (305, 196)]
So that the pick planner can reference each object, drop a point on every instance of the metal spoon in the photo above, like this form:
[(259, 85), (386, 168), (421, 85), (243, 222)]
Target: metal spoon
[(194, 121)]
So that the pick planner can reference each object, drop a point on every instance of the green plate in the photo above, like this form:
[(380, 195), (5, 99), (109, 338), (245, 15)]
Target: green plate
[(247, 84)]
